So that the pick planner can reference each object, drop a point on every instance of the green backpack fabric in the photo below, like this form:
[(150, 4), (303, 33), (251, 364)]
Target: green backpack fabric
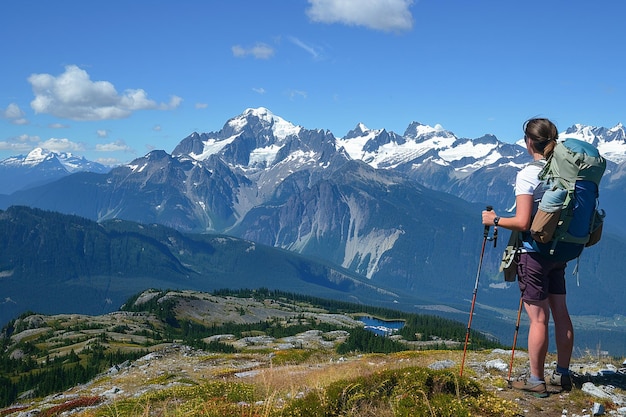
[(568, 218)]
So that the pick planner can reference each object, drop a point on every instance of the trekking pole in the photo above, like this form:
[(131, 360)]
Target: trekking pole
[(480, 263), (519, 313)]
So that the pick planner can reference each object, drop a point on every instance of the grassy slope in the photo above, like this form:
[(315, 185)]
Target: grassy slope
[(268, 379)]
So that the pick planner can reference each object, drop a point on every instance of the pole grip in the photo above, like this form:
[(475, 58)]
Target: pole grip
[(486, 232)]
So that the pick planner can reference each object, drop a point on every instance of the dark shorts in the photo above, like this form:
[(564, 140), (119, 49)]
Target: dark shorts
[(538, 277)]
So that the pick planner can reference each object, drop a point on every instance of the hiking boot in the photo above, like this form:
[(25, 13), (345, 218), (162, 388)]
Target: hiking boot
[(562, 381), (538, 389)]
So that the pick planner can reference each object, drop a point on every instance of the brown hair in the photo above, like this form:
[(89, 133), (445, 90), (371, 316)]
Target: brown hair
[(543, 134)]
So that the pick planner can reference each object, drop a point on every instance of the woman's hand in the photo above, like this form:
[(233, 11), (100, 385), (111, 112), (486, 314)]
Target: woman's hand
[(488, 217)]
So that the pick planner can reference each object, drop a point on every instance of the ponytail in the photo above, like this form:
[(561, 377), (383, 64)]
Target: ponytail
[(549, 148)]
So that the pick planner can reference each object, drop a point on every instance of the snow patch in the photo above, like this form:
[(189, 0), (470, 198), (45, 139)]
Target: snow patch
[(212, 147), (464, 150), (354, 146), (264, 156)]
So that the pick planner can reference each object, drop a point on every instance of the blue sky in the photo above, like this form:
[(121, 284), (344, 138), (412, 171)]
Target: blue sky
[(112, 80)]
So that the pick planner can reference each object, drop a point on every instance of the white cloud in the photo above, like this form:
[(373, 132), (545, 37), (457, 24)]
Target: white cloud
[(102, 133), (201, 105), (173, 104), (10, 146), (259, 90), (259, 51), (61, 145), (25, 143), (73, 95), (384, 15), (293, 94), (116, 146), (13, 111), (308, 48), (157, 128), (108, 161), (22, 143), (14, 114), (27, 139), (57, 126)]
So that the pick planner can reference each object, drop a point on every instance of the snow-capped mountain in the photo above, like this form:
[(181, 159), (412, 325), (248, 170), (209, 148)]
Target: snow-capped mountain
[(610, 142), (71, 163), (259, 140), (419, 144), (41, 166), (259, 150), (240, 143), (268, 149)]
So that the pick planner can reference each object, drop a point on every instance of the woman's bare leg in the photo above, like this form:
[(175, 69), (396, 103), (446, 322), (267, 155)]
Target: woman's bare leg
[(539, 316)]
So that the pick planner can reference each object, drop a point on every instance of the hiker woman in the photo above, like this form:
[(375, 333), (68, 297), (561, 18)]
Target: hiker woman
[(541, 281)]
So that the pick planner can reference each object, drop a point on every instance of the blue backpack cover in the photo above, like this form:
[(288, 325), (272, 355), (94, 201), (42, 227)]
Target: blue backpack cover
[(568, 218)]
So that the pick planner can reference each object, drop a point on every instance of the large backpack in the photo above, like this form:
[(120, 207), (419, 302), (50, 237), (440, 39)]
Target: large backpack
[(568, 218)]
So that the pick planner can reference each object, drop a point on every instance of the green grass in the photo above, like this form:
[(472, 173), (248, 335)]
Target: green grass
[(410, 391)]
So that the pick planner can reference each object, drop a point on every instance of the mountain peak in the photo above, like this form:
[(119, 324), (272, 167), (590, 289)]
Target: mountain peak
[(416, 130), (487, 139), (260, 112), (38, 155), (618, 129), (279, 126), (359, 131)]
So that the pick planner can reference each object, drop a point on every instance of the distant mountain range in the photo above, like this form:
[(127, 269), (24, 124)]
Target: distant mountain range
[(40, 167), (401, 211)]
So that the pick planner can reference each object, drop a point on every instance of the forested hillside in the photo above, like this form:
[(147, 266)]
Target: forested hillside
[(55, 263)]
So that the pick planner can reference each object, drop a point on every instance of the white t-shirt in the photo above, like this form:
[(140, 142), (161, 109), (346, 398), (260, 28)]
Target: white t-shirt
[(527, 182)]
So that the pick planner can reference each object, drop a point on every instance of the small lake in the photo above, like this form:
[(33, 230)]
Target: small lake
[(381, 327)]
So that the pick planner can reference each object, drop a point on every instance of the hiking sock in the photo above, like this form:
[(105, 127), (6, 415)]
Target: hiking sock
[(561, 377), (535, 379), (561, 370)]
